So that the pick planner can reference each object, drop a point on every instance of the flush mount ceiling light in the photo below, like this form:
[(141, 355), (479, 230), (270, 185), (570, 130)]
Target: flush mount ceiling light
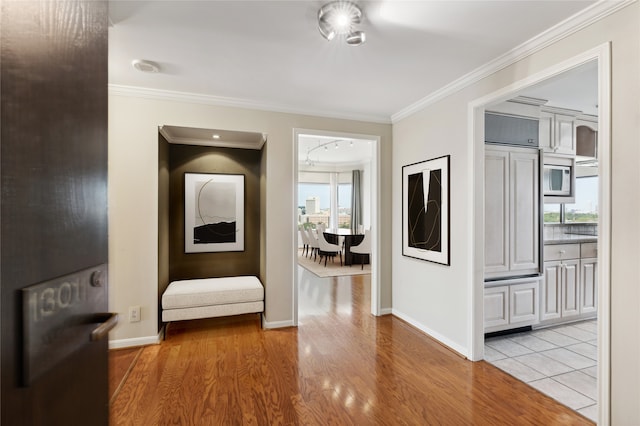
[(338, 19), (145, 66)]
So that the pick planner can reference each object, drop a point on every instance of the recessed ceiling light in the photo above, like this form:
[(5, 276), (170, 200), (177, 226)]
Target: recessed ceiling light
[(145, 66), (216, 136)]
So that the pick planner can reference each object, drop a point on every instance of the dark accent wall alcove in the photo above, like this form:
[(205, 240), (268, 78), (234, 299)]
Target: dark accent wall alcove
[(174, 160), (198, 159)]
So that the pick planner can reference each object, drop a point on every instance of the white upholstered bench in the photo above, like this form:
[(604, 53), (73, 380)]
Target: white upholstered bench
[(212, 297)]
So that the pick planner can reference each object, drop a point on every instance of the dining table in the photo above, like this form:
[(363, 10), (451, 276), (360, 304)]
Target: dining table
[(351, 238)]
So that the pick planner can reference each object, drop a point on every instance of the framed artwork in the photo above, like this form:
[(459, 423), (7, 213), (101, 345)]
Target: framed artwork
[(425, 210), (213, 212)]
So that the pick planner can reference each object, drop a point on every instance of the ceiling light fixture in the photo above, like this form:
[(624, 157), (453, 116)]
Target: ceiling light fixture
[(338, 18), (145, 66), (325, 145)]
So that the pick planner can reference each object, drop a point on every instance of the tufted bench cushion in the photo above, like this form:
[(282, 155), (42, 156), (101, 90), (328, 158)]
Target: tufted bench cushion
[(212, 297)]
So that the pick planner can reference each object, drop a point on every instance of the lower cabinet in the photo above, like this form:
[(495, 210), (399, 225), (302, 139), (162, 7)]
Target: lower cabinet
[(588, 286), (510, 304), (569, 290), (560, 290)]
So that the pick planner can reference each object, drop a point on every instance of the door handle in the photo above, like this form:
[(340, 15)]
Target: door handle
[(108, 321)]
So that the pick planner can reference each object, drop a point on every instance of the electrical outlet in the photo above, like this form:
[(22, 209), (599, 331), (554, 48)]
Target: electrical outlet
[(134, 313)]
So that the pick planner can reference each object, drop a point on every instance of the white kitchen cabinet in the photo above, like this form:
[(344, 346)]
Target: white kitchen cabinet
[(496, 212), (557, 131), (496, 307), (523, 303), (551, 291), (511, 211), (588, 286), (569, 289), (511, 304), (560, 290)]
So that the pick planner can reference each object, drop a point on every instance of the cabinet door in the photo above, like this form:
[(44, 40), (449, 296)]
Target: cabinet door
[(588, 286), (565, 134), (523, 303), (496, 308), (551, 292), (545, 132), (496, 213), (524, 214), (570, 288)]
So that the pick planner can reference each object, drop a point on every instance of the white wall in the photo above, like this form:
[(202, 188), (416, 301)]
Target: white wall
[(436, 298), (133, 201)]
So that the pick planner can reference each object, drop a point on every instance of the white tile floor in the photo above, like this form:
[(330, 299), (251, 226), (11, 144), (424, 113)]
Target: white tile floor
[(560, 361)]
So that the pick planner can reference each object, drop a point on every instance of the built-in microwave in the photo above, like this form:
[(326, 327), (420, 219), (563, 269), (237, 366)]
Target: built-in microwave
[(557, 180)]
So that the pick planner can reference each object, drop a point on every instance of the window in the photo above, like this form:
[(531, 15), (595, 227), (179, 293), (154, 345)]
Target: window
[(325, 197), (314, 200), (344, 205), (585, 208), (552, 213)]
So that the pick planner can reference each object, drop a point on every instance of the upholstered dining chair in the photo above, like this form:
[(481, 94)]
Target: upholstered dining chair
[(364, 248), (327, 249), (305, 241), (313, 243)]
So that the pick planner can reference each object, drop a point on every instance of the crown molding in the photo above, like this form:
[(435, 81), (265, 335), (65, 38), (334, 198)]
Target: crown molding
[(194, 98), (580, 20)]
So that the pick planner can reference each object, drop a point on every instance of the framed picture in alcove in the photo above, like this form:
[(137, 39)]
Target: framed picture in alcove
[(425, 210), (213, 212)]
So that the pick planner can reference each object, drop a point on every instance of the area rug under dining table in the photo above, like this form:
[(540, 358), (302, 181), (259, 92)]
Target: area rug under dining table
[(333, 268)]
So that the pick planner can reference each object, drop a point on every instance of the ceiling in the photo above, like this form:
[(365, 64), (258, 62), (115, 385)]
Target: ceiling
[(317, 151), (575, 89), (270, 55)]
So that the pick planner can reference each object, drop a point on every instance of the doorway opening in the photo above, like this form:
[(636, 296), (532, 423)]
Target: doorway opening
[(598, 216), (336, 194)]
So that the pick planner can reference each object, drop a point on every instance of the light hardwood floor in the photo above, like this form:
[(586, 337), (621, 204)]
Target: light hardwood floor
[(341, 366)]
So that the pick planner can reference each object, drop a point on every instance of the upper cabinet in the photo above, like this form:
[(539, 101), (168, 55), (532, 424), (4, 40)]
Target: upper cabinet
[(557, 131), (586, 138), (510, 130)]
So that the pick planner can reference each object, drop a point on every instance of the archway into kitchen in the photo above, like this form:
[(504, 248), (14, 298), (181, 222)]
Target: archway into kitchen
[(348, 152), (527, 289)]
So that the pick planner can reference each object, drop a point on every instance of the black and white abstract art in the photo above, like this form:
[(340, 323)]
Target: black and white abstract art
[(425, 210), (213, 212)]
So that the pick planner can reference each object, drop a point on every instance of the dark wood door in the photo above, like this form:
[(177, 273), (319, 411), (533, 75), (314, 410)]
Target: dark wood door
[(53, 206)]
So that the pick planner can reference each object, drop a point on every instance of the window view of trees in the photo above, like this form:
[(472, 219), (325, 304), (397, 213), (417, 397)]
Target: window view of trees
[(584, 210)]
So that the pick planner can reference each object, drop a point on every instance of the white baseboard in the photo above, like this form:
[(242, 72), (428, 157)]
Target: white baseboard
[(440, 338), (136, 341), (276, 324), (386, 311)]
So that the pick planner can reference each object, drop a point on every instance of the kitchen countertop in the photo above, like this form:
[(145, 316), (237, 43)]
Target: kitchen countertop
[(572, 238)]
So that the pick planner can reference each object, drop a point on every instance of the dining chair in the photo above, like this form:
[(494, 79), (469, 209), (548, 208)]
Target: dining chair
[(313, 243), (327, 249), (364, 248), (305, 241)]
